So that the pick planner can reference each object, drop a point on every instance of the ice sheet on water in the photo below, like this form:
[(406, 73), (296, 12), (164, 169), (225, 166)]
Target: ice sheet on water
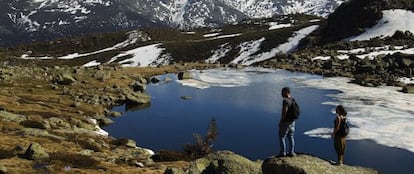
[(216, 77), (381, 114)]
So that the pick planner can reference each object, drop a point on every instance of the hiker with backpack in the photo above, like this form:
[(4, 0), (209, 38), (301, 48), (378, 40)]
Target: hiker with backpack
[(290, 112), (339, 133)]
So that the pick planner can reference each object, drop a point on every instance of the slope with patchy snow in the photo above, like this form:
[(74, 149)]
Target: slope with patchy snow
[(393, 20), (247, 58), (141, 56)]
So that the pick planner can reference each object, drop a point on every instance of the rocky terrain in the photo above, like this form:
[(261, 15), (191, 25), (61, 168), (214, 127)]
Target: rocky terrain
[(382, 70), (51, 119), (56, 95)]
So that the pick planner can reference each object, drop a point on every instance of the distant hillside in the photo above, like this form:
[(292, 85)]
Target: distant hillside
[(248, 42)]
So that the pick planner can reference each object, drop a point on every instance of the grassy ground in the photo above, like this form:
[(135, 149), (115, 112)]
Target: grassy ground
[(36, 98)]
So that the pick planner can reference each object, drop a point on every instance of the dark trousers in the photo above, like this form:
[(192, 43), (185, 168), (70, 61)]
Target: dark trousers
[(340, 146)]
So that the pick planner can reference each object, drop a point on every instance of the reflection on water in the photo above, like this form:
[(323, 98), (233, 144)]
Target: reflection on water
[(247, 105), (136, 107)]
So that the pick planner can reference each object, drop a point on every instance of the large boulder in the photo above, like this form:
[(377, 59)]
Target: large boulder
[(126, 142), (56, 123), (155, 80), (104, 121), (408, 89), (9, 117), (184, 75), (138, 87), (136, 98), (306, 164), (224, 162), (65, 79), (35, 152)]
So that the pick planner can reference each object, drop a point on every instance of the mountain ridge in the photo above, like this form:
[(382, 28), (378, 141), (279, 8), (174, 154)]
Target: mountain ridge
[(28, 21)]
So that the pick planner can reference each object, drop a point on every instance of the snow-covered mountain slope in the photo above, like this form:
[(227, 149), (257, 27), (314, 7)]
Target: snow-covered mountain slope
[(268, 8), (392, 21), (246, 43), (357, 16), (44, 19)]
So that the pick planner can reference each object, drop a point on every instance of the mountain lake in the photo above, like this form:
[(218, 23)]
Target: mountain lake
[(247, 104)]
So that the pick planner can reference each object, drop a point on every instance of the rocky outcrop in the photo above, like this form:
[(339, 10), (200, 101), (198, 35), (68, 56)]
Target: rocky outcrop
[(408, 89), (65, 79), (306, 164), (382, 70), (6, 116), (136, 98), (126, 142), (35, 152), (115, 114), (351, 18), (138, 87), (184, 75), (155, 80), (224, 162)]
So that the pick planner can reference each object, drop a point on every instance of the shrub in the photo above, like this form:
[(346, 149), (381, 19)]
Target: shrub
[(203, 146)]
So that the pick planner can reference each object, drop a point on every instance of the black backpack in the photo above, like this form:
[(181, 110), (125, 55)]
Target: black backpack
[(293, 111), (343, 130)]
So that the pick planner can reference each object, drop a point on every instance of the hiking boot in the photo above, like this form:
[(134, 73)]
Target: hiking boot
[(281, 155), (339, 163), (292, 154)]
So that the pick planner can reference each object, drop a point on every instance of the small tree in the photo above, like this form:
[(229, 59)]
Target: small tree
[(203, 146)]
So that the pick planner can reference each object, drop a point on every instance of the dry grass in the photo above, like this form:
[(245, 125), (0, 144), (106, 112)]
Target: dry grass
[(37, 100)]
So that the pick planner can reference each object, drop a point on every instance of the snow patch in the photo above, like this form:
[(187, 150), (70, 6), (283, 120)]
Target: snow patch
[(92, 63), (225, 36), (406, 80), (369, 53), (98, 130), (219, 53), (275, 25), (142, 56), (178, 10), (321, 58), (372, 55), (211, 35), (26, 56), (342, 57), (247, 49)]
